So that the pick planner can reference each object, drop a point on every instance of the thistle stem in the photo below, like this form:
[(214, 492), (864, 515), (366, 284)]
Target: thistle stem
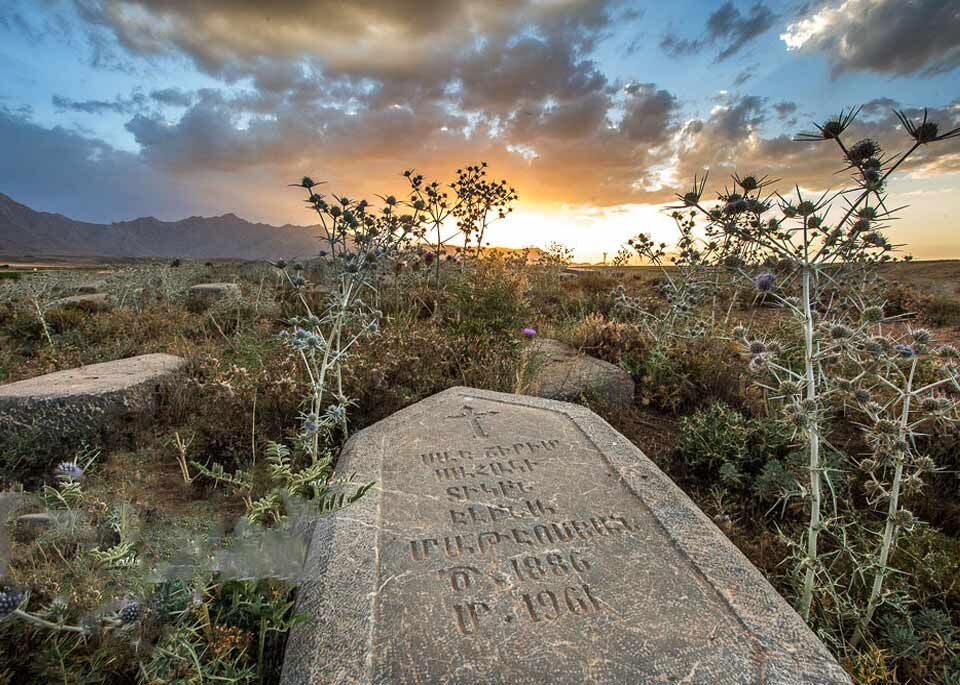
[(890, 527), (813, 430)]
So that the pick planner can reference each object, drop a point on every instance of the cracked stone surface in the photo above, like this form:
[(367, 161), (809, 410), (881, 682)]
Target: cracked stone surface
[(87, 397), (561, 373), (512, 539)]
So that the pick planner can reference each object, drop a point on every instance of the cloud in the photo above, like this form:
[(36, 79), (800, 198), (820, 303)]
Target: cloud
[(173, 97), (732, 139), (727, 28), (885, 36), (136, 102), (785, 109)]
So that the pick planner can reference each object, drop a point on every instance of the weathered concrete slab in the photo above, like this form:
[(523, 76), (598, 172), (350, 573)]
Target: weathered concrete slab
[(511, 539), (89, 300), (561, 373), (208, 293), (85, 397)]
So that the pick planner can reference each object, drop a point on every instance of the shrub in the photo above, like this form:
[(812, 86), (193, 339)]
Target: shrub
[(754, 453)]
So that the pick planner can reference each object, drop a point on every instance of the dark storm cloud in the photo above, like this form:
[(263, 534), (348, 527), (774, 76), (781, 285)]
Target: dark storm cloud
[(727, 28), (886, 36)]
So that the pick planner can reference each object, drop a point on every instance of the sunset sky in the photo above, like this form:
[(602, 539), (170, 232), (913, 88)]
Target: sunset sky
[(598, 111)]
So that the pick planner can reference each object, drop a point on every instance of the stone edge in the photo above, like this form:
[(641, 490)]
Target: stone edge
[(342, 567)]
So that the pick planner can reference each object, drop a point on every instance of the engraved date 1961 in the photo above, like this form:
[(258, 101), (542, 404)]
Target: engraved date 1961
[(545, 605)]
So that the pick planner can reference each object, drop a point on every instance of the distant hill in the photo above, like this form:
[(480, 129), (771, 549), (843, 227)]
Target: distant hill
[(24, 231)]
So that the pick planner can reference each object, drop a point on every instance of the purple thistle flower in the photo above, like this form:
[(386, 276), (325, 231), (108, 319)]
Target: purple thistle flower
[(529, 332), (905, 350), (764, 282), (69, 471), (10, 601), (131, 612)]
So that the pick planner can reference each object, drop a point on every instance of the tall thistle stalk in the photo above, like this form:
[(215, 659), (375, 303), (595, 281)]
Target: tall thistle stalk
[(799, 245), (360, 240)]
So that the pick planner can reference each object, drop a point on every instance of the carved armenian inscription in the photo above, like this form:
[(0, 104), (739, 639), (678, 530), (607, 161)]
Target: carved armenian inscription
[(503, 526)]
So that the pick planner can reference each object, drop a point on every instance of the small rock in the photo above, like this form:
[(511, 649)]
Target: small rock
[(561, 373)]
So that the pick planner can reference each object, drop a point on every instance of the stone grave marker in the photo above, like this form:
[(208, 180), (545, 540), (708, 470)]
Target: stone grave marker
[(512, 539), (95, 301), (208, 293), (87, 397)]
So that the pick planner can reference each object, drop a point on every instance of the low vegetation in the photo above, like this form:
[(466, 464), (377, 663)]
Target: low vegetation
[(803, 397)]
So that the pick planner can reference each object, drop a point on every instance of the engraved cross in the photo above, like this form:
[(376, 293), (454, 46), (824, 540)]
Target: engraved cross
[(473, 416)]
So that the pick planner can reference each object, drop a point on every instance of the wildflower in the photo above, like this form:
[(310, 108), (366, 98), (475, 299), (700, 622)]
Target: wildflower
[(280, 264), (790, 388), (311, 424), (758, 362), (529, 332), (831, 129), (69, 471), (764, 282), (904, 518), (10, 601), (863, 150), (735, 205), (926, 131), (298, 281), (131, 612), (428, 258), (373, 327), (948, 352), (840, 332), (756, 347), (905, 351), (873, 313), (740, 332)]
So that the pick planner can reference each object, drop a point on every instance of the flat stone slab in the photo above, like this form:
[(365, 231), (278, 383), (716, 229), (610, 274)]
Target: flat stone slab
[(511, 539), (92, 300), (212, 292), (561, 373), (87, 396)]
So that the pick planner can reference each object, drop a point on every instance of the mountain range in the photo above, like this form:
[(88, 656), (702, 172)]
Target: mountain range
[(26, 232)]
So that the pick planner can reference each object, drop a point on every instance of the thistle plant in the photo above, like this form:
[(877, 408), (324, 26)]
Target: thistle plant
[(813, 255), (689, 275), (431, 202), (480, 201)]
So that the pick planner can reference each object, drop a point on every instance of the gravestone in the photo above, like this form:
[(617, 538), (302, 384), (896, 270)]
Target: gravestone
[(96, 301), (85, 398), (512, 539), (208, 293), (92, 288), (561, 373)]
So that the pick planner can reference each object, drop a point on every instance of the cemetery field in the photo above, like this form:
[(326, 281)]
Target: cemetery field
[(154, 509)]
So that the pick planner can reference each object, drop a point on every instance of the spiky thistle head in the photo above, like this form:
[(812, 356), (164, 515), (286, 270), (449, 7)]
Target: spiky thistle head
[(830, 129), (925, 131)]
